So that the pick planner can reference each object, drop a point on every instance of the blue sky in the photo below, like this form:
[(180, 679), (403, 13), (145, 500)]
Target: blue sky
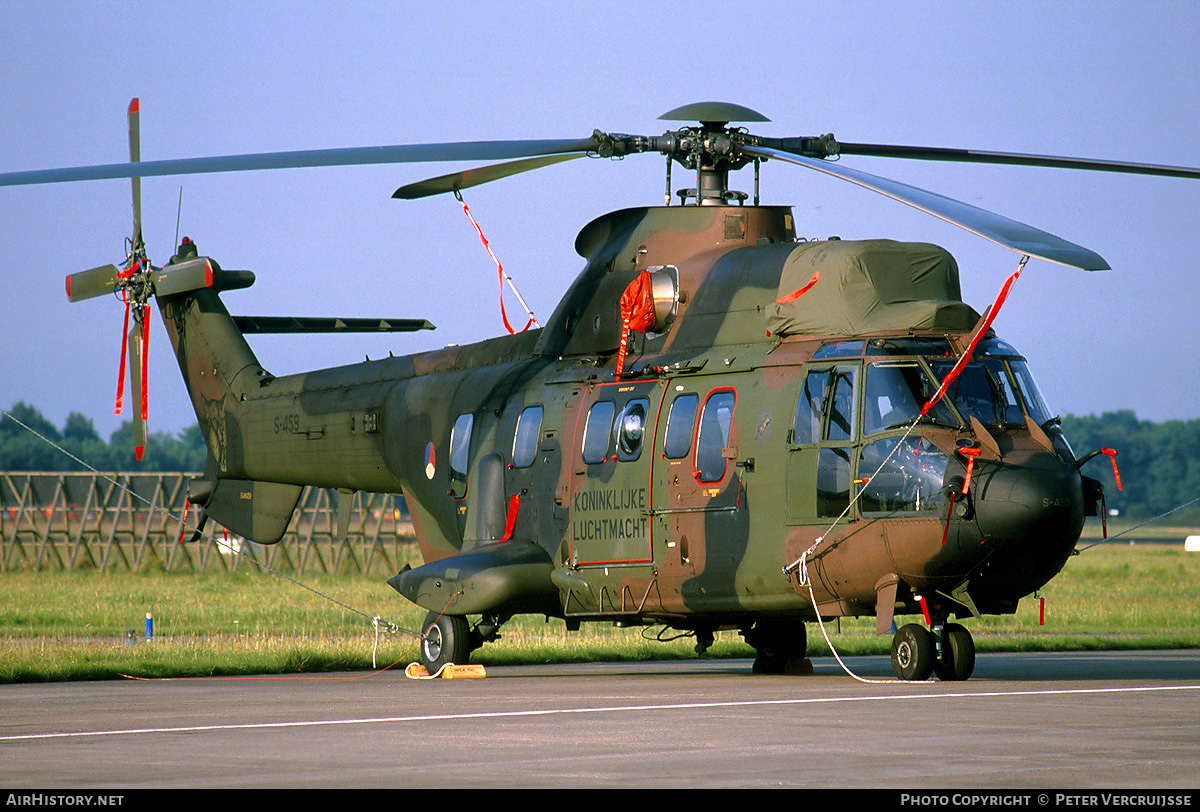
[(1098, 79)]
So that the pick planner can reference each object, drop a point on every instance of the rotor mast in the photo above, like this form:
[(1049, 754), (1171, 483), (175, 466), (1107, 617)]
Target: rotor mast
[(711, 150)]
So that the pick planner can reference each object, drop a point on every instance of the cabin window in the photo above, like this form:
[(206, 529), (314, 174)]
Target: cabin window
[(460, 447), (630, 429), (597, 430), (525, 438), (678, 440), (716, 425)]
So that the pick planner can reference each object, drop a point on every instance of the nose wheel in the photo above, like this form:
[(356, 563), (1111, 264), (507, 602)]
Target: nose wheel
[(948, 651), (447, 640)]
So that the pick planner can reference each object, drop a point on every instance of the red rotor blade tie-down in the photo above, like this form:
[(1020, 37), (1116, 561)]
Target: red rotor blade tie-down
[(120, 404), (135, 348)]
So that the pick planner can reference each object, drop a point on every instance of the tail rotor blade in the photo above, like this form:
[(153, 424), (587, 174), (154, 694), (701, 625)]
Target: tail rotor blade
[(92, 282), (135, 156)]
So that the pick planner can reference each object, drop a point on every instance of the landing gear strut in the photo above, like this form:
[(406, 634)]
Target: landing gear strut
[(956, 659)]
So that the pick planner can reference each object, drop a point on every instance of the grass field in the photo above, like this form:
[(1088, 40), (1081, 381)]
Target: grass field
[(91, 625)]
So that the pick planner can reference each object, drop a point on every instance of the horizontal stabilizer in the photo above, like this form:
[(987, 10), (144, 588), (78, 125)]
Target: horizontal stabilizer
[(259, 511), (307, 324)]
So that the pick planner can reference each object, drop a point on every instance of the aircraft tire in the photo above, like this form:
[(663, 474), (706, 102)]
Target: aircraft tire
[(958, 654), (447, 640), (779, 647), (912, 653)]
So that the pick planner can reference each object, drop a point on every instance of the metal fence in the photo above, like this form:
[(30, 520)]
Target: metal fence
[(142, 522)]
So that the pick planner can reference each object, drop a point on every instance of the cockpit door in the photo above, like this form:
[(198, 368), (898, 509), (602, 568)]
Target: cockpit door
[(820, 447)]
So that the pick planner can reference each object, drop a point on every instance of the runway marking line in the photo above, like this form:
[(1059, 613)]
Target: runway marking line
[(440, 717)]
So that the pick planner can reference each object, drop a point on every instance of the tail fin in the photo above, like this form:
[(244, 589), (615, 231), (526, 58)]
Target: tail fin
[(220, 370)]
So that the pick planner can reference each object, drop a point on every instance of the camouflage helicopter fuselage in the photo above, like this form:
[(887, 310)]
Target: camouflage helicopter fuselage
[(733, 476)]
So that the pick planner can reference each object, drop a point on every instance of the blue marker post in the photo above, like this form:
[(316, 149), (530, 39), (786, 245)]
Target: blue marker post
[(149, 627)]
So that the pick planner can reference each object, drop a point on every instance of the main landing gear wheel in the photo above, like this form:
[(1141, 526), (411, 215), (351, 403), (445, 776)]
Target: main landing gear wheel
[(912, 653), (957, 659), (780, 646), (447, 640)]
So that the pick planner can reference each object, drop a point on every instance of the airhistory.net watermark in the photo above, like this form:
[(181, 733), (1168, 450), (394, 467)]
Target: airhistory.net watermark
[(61, 799)]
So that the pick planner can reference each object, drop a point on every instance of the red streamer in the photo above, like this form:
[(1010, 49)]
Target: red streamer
[(514, 502), (637, 313), (499, 272), (791, 297), (993, 311)]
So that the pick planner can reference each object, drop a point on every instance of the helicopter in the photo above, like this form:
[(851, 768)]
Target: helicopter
[(722, 426)]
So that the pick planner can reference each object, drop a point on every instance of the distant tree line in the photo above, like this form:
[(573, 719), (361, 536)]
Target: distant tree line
[(21, 450), (1159, 463)]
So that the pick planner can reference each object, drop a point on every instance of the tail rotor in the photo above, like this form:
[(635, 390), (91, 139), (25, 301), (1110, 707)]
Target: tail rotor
[(134, 280)]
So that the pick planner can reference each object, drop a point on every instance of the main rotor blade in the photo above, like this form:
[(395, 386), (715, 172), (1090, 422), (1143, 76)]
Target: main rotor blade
[(474, 177), (348, 156), (1015, 159), (1023, 239), (309, 324)]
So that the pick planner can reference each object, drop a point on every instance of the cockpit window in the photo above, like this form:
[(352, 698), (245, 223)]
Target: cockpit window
[(839, 349), (895, 392), (826, 409), (1034, 403), (908, 346), (994, 346)]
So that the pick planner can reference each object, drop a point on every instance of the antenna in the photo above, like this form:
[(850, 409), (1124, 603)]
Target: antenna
[(178, 215)]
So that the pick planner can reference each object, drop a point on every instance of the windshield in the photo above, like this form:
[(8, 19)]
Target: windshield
[(983, 390), (996, 387)]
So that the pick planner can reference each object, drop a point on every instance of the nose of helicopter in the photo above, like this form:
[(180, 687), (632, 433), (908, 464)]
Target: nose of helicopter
[(1030, 512)]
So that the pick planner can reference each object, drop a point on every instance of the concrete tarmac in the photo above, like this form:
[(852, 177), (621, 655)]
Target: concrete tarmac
[(1023, 721)]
